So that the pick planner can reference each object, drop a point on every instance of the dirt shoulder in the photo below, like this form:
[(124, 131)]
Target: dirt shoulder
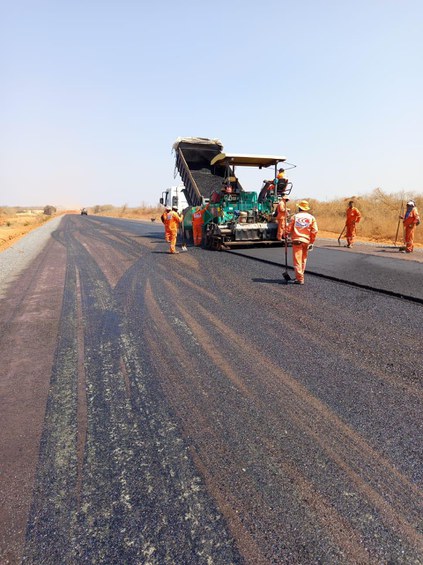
[(14, 227)]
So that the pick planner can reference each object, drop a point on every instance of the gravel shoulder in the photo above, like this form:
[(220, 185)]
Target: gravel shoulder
[(18, 256)]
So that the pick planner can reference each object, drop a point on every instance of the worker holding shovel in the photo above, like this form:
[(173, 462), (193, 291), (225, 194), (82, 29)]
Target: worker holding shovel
[(163, 218), (171, 220), (303, 230), (411, 220), (353, 217)]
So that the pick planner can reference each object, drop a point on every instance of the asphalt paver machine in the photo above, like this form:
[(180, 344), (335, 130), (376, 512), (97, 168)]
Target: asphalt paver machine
[(233, 217), (236, 217)]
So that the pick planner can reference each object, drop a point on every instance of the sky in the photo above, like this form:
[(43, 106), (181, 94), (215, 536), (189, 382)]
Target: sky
[(94, 93)]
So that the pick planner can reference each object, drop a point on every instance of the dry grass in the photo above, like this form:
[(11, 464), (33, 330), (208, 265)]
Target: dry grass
[(143, 212), (16, 222)]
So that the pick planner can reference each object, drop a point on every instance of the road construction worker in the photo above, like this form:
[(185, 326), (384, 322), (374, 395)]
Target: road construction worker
[(281, 182), (172, 221), (281, 214), (353, 216), (411, 220), (197, 224), (163, 219), (303, 230)]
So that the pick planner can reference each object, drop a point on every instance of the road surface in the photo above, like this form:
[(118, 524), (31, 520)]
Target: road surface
[(192, 409)]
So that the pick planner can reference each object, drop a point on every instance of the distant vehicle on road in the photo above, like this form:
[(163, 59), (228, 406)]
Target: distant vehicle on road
[(84, 212)]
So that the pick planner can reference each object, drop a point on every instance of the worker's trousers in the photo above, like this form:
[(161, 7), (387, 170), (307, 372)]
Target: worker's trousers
[(280, 234), (350, 233), (197, 233), (409, 237), (173, 234), (299, 256)]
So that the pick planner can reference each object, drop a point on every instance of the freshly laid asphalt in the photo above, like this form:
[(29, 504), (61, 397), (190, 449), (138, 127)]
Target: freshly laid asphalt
[(373, 265), (194, 409), (377, 266)]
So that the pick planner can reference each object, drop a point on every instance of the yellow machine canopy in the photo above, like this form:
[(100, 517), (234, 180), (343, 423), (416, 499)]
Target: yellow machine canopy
[(232, 159)]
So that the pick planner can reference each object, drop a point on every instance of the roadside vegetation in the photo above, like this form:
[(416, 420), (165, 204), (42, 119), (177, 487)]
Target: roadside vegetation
[(143, 212), (17, 221), (379, 210), (380, 213)]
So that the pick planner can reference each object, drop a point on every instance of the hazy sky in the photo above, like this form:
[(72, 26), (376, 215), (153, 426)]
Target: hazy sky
[(94, 93)]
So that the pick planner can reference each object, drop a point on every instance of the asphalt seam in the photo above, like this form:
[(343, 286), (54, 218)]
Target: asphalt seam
[(383, 291)]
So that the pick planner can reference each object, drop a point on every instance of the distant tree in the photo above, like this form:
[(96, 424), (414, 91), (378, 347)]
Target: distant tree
[(49, 210)]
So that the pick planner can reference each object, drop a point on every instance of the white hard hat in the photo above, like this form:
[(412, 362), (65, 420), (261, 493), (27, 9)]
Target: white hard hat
[(168, 208), (410, 203)]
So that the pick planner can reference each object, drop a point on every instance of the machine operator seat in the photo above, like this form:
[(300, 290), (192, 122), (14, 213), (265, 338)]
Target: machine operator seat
[(281, 186)]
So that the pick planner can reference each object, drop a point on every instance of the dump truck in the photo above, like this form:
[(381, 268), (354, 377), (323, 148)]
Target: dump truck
[(234, 216)]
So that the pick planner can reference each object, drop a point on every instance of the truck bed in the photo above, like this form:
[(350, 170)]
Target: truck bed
[(193, 163)]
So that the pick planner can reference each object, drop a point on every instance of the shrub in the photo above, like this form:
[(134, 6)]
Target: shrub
[(49, 210)]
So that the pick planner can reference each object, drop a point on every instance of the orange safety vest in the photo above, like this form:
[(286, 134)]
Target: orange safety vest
[(411, 218), (353, 215), (198, 216), (172, 220), (303, 227), (281, 210)]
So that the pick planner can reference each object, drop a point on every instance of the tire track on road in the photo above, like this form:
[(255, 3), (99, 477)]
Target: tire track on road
[(138, 493)]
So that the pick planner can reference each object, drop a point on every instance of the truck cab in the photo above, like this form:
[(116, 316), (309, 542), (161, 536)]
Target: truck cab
[(174, 196)]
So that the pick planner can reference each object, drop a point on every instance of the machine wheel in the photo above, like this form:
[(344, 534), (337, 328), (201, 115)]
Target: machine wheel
[(217, 243), (205, 243)]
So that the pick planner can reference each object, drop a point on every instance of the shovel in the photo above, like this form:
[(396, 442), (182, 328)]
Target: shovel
[(401, 211), (341, 234), (183, 246), (286, 274)]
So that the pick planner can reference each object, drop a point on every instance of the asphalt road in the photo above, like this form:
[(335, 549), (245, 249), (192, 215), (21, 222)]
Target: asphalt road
[(193, 409), (368, 265)]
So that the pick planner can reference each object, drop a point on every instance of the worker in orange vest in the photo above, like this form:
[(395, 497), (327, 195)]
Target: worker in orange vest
[(353, 216), (281, 214), (411, 220), (303, 230), (197, 224), (163, 219), (172, 221)]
